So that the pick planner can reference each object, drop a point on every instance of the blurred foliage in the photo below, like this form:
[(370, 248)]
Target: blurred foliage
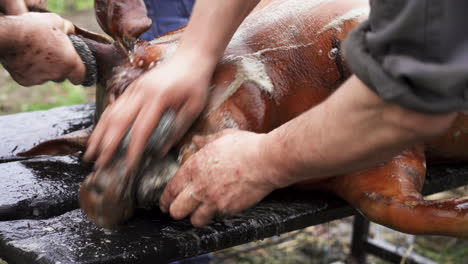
[(16, 98), (69, 94), (60, 6)]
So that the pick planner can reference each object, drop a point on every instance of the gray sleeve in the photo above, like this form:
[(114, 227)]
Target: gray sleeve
[(414, 53)]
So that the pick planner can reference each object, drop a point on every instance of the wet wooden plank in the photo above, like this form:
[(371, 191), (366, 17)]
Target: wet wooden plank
[(40, 187), (152, 237), (46, 187), (19, 132)]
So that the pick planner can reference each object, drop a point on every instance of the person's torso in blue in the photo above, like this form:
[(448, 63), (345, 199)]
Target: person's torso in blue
[(167, 15)]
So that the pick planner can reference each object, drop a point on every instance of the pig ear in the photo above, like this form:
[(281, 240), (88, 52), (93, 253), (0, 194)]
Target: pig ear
[(122, 19), (66, 145), (55, 147)]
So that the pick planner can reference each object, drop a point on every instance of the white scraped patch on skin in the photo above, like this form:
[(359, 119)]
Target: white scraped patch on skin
[(337, 23), (277, 11), (249, 69), (259, 53), (279, 21), (228, 122)]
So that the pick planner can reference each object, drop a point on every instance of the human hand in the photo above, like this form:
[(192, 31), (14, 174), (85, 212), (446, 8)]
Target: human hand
[(180, 84), (225, 177), (18, 7), (40, 50)]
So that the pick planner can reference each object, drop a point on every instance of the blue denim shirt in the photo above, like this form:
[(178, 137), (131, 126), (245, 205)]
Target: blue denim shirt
[(167, 15)]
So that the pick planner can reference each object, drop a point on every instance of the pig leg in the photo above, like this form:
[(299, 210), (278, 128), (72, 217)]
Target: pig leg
[(390, 195)]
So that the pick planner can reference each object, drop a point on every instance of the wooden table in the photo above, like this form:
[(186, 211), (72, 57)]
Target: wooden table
[(40, 219)]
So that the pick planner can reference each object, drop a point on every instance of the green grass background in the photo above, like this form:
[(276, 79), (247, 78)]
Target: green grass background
[(60, 6), (15, 98)]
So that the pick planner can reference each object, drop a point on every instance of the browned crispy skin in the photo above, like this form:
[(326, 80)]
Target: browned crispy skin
[(305, 66), (390, 195)]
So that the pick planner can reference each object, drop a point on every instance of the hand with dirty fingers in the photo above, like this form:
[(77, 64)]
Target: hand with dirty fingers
[(235, 161), (35, 49), (180, 84)]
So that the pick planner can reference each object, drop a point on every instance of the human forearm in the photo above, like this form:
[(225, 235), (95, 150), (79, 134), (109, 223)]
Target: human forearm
[(212, 25), (352, 130)]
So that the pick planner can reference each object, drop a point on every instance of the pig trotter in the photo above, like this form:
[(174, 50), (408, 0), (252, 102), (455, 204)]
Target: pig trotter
[(109, 195)]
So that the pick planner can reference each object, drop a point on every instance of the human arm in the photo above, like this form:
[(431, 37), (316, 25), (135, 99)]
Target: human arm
[(35, 48), (352, 130), (181, 83), (403, 57)]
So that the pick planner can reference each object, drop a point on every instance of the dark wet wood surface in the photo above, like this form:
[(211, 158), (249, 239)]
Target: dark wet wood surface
[(40, 220)]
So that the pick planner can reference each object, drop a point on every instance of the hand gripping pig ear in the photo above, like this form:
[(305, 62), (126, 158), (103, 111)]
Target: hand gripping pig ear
[(123, 20)]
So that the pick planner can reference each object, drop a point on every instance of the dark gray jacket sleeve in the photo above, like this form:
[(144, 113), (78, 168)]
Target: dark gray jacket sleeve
[(414, 53)]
